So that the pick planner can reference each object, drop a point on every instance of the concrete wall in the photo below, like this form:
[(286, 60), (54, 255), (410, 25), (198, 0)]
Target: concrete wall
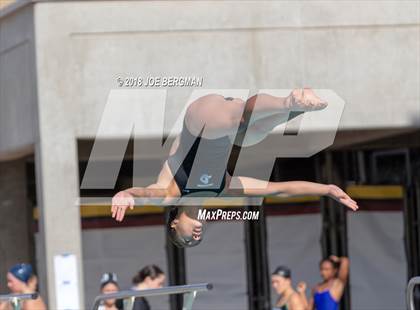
[(367, 53), (17, 84)]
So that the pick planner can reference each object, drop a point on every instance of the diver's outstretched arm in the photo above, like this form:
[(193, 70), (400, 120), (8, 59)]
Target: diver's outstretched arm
[(255, 187), (164, 188), (126, 199)]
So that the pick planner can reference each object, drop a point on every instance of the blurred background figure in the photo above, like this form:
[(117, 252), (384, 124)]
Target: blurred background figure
[(281, 280), (109, 284), (150, 277), (22, 280), (327, 294)]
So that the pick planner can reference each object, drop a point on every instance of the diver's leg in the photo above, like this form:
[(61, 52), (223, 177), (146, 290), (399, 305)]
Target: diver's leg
[(259, 130), (260, 106), (221, 117), (264, 112)]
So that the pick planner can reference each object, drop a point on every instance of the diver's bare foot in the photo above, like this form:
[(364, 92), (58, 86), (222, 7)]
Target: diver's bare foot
[(304, 99)]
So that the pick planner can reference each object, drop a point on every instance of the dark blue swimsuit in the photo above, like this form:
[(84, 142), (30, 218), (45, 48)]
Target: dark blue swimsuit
[(199, 164)]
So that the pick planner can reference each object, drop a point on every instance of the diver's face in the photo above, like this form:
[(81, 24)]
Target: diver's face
[(187, 227), (14, 284), (107, 289), (327, 270), (279, 283)]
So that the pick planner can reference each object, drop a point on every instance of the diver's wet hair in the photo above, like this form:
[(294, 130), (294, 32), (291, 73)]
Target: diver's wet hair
[(151, 271), (173, 236), (282, 271)]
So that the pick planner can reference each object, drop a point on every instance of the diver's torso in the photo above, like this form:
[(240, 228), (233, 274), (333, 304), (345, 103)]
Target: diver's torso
[(199, 164)]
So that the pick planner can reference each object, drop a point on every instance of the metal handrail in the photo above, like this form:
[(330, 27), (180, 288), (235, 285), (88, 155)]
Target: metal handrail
[(410, 292), (15, 299), (19, 296), (192, 289)]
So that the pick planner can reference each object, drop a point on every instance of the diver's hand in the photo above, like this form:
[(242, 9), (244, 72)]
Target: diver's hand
[(120, 202), (339, 195)]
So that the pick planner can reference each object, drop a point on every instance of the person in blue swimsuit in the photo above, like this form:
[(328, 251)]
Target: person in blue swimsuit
[(212, 124), (327, 294)]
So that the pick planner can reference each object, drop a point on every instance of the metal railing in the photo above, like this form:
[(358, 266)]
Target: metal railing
[(190, 292), (15, 299), (410, 292)]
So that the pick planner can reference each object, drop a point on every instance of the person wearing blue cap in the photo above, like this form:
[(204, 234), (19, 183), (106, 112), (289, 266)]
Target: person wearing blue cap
[(22, 272), (22, 280)]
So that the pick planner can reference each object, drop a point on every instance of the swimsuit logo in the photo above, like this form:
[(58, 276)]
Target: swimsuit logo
[(205, 178)]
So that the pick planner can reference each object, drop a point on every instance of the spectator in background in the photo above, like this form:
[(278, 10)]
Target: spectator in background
[(22, 280), (109, 284), (149, 277), (327, 294), (281, 280)]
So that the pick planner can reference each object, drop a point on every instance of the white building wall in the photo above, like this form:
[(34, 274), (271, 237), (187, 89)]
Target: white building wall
[(367, 53), (18, 130)]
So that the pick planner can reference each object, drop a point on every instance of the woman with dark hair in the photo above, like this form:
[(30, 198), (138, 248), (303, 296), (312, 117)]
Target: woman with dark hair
[(281, 280), (109, 284), (211, 125), (327, 294), (149, 277)]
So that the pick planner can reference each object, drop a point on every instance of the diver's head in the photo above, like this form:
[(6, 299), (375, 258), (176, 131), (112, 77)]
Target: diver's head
[(281, 279), (183, 228)]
